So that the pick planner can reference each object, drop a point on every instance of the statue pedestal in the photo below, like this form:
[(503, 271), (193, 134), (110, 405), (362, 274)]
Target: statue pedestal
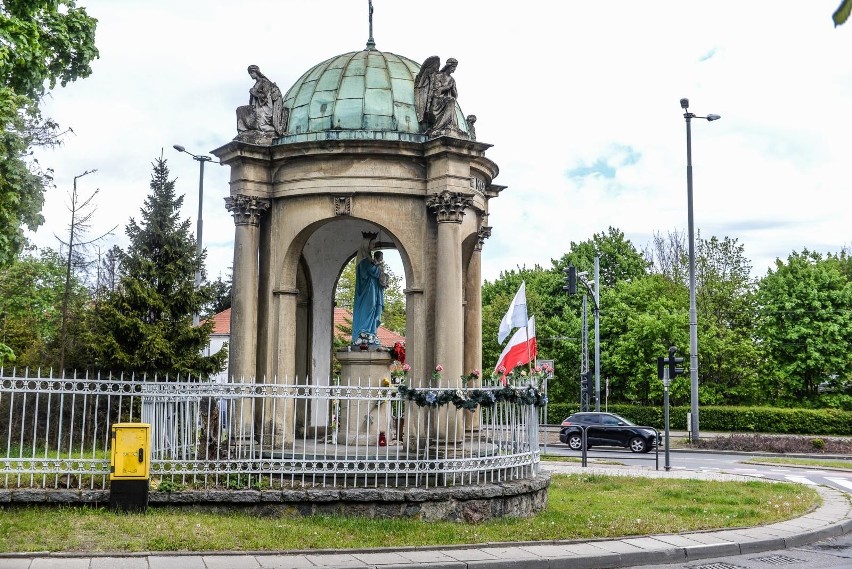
[(362, 420)]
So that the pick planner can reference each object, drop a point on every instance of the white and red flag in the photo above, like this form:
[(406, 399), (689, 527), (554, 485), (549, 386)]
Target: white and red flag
[(516, 316), (520, 350)]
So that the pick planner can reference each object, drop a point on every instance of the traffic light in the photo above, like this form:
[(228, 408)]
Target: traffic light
[(674, 370), (571, 279)]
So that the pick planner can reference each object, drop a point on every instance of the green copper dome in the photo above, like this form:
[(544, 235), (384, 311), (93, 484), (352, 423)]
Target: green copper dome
[(365, 94)]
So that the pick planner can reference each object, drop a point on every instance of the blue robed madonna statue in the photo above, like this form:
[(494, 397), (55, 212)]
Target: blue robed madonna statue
[(370, 283)]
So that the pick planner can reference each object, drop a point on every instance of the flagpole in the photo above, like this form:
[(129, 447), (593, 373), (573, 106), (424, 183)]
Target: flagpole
[(527, 332)]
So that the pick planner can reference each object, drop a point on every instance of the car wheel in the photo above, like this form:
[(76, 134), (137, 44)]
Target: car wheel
[(638, 444), (575, 441)]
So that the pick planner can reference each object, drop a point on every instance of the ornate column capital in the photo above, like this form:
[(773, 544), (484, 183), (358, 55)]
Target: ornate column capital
[(449, 206), (483, 234), (247, 210)]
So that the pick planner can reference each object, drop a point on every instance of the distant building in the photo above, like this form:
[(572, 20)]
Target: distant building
[(342, 317)]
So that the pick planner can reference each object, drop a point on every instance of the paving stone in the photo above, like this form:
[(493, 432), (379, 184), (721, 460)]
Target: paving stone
[(335, 560), (60, 563), (14, 563), (230, 562), (470, 554), (378, 559), (426, 556), (283, 561), (131, 562), (647, 543), (175, 562), (549, 550), (678, 540)]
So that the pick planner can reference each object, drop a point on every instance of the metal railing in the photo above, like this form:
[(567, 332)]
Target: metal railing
[(55, 433)]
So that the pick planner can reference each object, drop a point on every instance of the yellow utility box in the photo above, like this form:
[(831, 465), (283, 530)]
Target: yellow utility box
[(131, 451), (130, 467)]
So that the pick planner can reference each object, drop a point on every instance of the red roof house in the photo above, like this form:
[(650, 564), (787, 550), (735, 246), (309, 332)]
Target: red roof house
[(343, 317)]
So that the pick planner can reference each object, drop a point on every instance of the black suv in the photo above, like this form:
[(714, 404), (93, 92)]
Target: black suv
[(607, 429)]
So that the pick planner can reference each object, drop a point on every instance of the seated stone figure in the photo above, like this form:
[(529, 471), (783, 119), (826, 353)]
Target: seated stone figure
[(265, 112)]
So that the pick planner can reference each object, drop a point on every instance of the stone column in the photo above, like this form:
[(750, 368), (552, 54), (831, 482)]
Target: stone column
[(473, 317), (280, 416), (473, 307), (242, 348), (449, 316)]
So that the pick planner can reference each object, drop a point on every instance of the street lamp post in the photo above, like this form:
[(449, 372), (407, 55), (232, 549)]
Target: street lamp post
[(201, 160), (693, 316), (594, 289), (666, 383)]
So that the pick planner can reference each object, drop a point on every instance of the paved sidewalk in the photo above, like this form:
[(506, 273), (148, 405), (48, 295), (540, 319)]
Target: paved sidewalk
[(833, 518)]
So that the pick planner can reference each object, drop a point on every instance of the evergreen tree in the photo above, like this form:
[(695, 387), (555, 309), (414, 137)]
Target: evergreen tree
[(146, 325), (221, 297)]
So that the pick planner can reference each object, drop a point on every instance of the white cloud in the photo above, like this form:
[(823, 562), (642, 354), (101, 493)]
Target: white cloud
[(555, 85)]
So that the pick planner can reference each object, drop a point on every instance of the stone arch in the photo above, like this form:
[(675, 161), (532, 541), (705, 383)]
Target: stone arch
[(319, 250)]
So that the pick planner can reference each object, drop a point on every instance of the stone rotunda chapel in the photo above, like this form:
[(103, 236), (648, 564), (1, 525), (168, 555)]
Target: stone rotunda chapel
[(367, 151)]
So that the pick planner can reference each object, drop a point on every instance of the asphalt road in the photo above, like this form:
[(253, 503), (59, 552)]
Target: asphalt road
[(834, 553), (731, 463)]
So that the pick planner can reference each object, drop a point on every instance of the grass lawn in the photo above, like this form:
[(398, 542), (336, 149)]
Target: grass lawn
[(792, 461), (579, 506)]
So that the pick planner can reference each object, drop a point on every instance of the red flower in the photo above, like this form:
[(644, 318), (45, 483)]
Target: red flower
[(398, 352)]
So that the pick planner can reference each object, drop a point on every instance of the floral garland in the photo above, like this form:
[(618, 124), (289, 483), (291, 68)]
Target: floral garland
[(474, 398)]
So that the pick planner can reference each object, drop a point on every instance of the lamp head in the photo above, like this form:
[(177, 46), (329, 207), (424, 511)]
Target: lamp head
[(179, 148), (713, 117), (684, 103)]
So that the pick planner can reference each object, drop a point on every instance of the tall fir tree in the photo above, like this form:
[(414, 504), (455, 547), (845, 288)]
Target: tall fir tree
[(145, 326)]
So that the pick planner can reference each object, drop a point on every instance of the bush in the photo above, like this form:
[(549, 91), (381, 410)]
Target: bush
[(782, 444), (729, 419)]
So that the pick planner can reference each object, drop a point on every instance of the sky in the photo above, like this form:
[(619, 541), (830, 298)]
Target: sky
[(580, 101)]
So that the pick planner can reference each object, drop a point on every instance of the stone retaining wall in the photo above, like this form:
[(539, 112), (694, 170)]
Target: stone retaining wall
[(519, 498)]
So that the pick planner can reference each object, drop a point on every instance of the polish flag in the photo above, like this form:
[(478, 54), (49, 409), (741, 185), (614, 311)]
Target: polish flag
[(521, 349), (516, 315)]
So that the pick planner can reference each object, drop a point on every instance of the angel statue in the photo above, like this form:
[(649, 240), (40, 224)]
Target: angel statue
[(265, 112), (435, 97)]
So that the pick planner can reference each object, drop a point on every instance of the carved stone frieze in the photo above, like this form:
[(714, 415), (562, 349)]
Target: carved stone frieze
[(247, 210), (449, 206), (477, 185), (342, 205)]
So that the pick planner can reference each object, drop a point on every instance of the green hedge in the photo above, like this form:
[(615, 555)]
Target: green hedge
[(729, 419)]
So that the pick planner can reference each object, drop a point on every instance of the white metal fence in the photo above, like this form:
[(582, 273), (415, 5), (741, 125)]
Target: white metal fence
[(55, 433)]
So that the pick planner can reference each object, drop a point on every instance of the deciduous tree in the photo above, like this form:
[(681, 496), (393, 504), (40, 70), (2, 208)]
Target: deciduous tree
[(805, 327), (31, 298), (42, 43)]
